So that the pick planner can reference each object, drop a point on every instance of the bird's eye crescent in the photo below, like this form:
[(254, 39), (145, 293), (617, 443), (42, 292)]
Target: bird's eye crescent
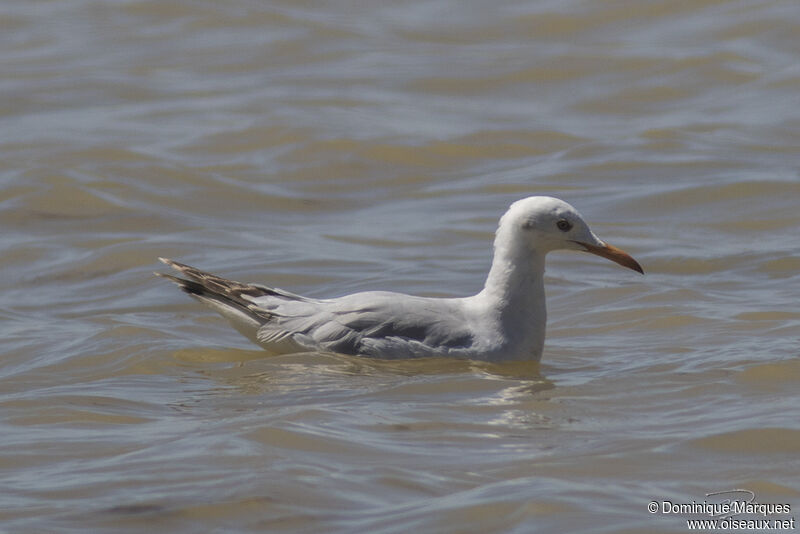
[(564, 225)]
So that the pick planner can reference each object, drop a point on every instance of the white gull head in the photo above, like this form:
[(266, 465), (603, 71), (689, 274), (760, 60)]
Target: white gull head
[(538, 225)]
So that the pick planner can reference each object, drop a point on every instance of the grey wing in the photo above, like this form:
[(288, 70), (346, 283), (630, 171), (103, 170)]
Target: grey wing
[(375, 324)]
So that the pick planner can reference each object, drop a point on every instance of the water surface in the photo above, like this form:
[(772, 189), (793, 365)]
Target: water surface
[(337, 147)]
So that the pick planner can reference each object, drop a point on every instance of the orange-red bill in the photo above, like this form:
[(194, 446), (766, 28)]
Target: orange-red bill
[(614, 254)]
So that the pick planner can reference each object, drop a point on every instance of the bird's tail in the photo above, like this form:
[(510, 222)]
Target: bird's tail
[(229, 298)]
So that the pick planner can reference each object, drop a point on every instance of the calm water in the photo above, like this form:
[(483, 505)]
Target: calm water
[(333, 147)]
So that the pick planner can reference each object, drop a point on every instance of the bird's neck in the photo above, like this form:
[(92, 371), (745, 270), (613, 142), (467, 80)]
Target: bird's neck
[(513, 298), (515, 281)]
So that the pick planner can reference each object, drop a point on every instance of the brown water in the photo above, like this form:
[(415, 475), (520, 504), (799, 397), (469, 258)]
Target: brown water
[(333, 147)]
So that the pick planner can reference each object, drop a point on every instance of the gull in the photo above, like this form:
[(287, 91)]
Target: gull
[(505, 321)]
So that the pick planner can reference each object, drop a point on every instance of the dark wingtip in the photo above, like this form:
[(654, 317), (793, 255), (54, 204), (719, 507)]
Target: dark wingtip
[(171, 263)]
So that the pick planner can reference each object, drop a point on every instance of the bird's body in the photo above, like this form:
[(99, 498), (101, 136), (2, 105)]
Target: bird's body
[(505, 321)]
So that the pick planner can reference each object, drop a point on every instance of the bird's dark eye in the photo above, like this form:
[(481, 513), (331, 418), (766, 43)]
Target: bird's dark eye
[(564, 225)]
